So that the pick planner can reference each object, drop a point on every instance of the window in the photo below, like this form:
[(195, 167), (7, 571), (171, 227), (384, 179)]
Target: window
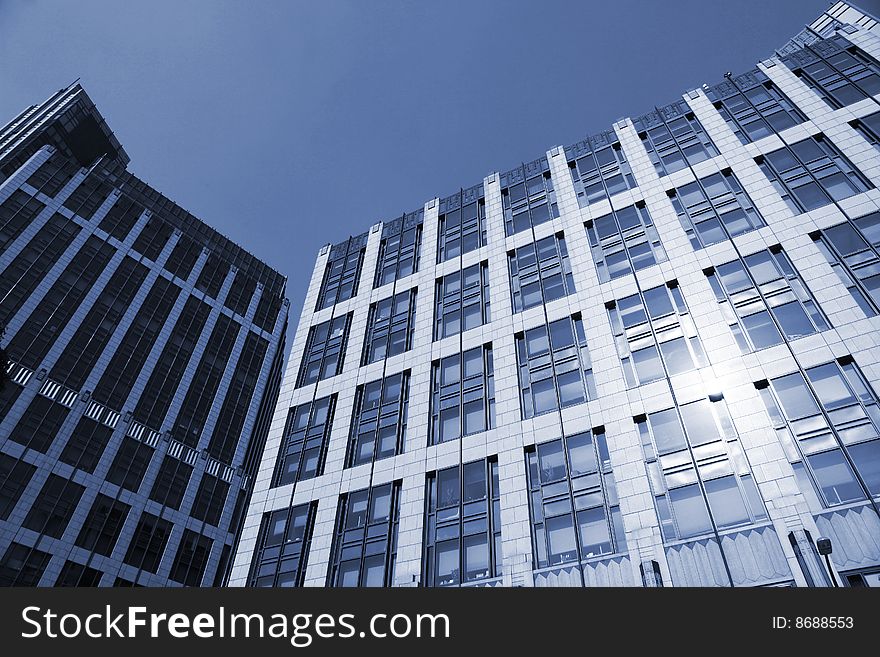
[(399, 249), (192, 559), (86, 444), (753, 107), (267, 310), (624, 241), (343, 272), (121, 218), (75, 574), (304, 445), (16, 213), (598, 168), (827, 419), (52, 510), (239, 296), (33, 262), (697, 470), (168, 371), (40, 424), (210, 499), (153, 238), (22, 566), (365, 540), (462, 224), (89, 195), (130, 464), (837, 71), (103, 524), (674, 138), (210, 280), (527, 197), (38, 333), (193, 414), (52, 175), (171, 482), (461, 301), (655, 335), (853, 251), (183, 257), (14, 477), (869, 128), (230, 422), (390, 326), (462, 395), (573, 500), (130, 356), (378, 427), (811, 173), (714, 209), (325, 350), (554, 367), (148, 543), (283, 544), (763, 299), (93, 334), (462, 525), (539, 273)]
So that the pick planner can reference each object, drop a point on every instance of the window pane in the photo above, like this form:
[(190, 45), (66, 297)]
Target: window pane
[(447, 563), (761, 329), (699, 422), (552, 461), (667, 431), (793, 320), (866, 457), (676, 355), (796, 400), (476, 557), (830, 386), (560, 534), (648, 365), (595, 538), (835, 478), (581, 454), (690, 511), (726, 502)]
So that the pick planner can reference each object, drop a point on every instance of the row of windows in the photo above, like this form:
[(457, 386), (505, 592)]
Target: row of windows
[(24, 566), (702, 482)]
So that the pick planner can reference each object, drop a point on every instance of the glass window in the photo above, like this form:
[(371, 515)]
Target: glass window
[(540, 273), (674, 138), (461, 301), (342, 275), (462, 224), (390, 327), (462, 395), (378, 428), (325, 350), (527, 197)]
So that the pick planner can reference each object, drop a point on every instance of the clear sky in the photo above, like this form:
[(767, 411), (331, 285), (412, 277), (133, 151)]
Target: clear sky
[(286, 125)]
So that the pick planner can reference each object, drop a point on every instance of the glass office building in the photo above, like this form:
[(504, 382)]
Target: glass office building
[(649, 358), (145, 352)]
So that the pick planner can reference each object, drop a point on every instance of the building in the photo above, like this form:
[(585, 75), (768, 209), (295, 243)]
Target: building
[(145, 354), (648, 358)]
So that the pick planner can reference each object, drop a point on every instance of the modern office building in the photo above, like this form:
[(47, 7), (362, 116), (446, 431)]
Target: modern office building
[(145, 353), (648, 358)]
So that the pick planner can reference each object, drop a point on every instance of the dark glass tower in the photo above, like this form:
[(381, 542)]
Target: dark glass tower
[(144, 358)]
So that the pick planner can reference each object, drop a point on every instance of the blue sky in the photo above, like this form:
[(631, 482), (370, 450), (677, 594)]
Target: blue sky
[(288, 125)]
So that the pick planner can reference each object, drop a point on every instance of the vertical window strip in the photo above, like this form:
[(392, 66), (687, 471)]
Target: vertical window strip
[(540, 272), (624, 241), (378, 427), (462, 395), (461, 301), (598, 168), (304, 443)]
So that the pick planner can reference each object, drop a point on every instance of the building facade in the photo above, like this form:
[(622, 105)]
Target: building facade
[(649, 358), (145, 354)]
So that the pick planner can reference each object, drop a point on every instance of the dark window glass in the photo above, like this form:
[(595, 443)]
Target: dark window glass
[(539, 273), (753, 107), (171, 482), (462, 225), (53, 175), (763, 299), (655, 335), (343, 272), (88, 196), (676, 139), (325, 350), (598, 171), (22, 566), (624, 241), (103, 524), (812, 173), (573, 500), (365, 541), (86, 444), (183, 257), (16, 214), (378, 428), (148, 543), (390, 326), (837, 71), (38, 333), (121, 218), (40, 424), (462, 525), (462, 395), (461, 301), (33, 262), (75, 574), (14, 477), (130, 464), (398, 256), (192, 559), (554, 367), (210, 500), (304, 446), (528, 200), (213, 273), (714, 209), (228, 431), (283, 544), (54, 506), (239, 297), (855, 259)]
